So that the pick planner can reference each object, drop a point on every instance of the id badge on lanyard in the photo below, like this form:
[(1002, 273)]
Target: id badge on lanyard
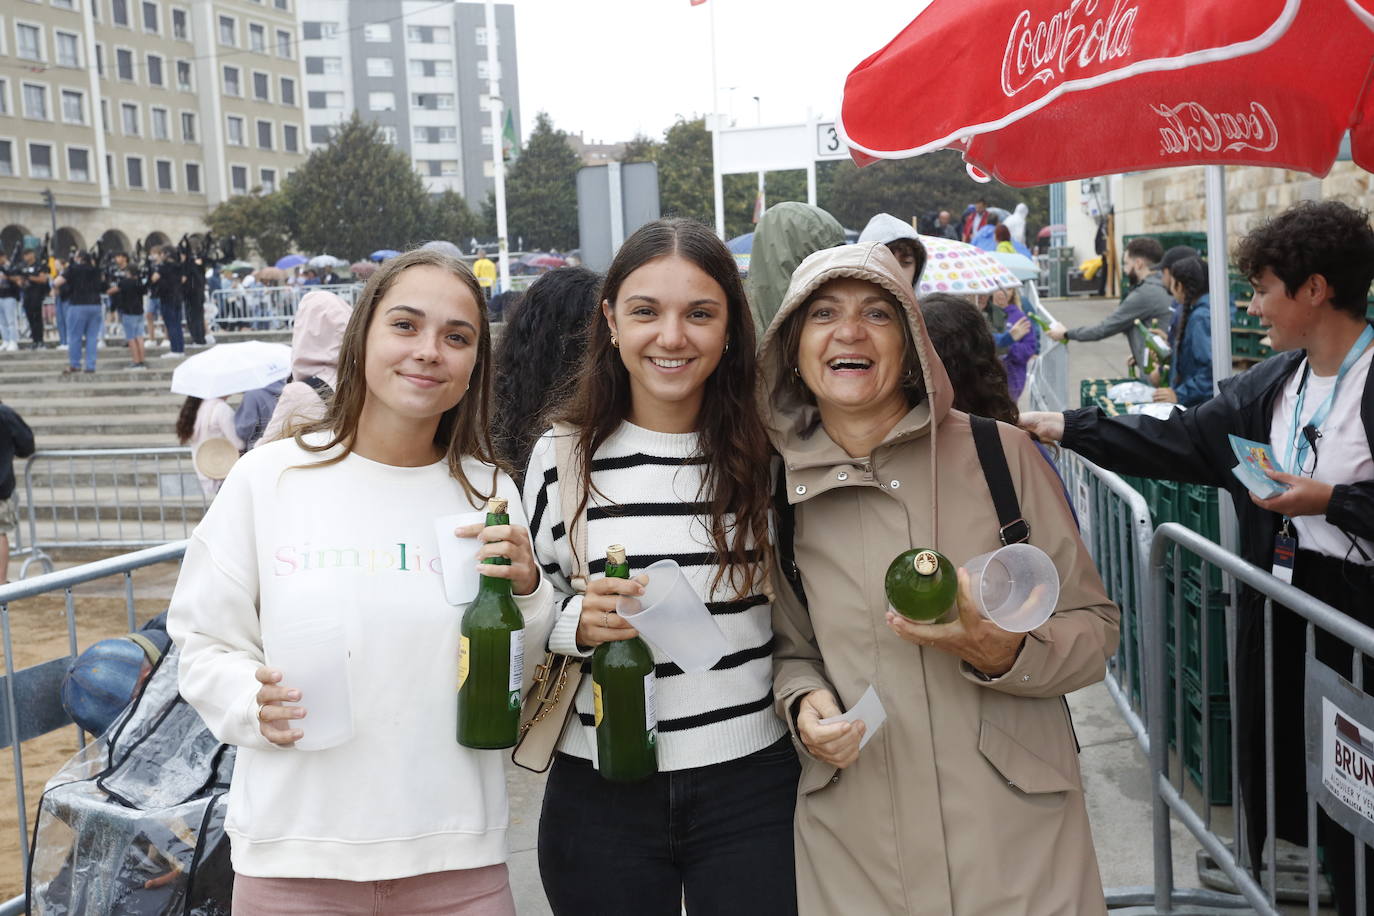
[(1285, 550)]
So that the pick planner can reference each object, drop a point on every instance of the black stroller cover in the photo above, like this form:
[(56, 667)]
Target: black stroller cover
[(134, 824)]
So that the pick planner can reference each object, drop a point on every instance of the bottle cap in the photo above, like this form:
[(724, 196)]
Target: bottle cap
[(926, 562), (615, 554), (497, 505)]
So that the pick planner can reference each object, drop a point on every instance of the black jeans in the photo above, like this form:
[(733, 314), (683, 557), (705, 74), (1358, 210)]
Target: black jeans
[(34, 312), (721, 834)]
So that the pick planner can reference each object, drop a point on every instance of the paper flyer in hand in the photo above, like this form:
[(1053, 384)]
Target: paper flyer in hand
[(869, 710), (1256, 458)]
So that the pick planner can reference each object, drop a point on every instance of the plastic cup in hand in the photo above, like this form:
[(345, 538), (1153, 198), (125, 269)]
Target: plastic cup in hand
[(671, 616), (1015, 587), (458, 556), (312, 656)]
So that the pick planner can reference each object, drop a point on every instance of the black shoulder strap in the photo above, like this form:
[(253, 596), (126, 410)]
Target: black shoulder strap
[(1014, 528), (785, 525), (321, 387)]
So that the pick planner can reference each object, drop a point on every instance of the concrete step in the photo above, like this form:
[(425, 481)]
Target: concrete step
[(62, 403), (102, 384), (98, 423), (87, 440), (157, 375), (144, 514), (89, 531)]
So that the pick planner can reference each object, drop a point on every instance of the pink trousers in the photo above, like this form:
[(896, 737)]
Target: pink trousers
[(469, 892)]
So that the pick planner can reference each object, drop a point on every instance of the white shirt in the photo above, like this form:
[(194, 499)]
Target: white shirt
[(1342, 451)]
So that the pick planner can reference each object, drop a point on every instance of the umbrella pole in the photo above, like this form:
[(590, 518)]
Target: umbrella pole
[(1219, 289)]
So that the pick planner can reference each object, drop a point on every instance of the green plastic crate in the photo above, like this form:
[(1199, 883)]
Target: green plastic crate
[(1243, 320), (1197, 510), (1193, 617), (1165, 507), (1218, 791)]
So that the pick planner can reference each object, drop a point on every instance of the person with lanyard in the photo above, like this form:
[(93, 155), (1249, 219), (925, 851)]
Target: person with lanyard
[(1313, 402)]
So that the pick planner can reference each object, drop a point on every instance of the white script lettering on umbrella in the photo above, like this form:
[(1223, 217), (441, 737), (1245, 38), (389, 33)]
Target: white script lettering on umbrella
[(1076, 36), (1190, 128)]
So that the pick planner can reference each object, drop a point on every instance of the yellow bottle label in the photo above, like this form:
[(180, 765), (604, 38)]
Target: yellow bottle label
[(596, 699), (463, 661)]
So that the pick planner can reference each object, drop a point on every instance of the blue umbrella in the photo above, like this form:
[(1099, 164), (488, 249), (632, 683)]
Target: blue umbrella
[(741, 244), (381, 254), (290, 261)]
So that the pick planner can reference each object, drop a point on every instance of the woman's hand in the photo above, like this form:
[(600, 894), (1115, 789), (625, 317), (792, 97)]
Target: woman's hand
[(1166, 395), (1020, 329), (972, 637), (511, 542), (599, 621), (836, 744), (1048, 425), (274, 718)]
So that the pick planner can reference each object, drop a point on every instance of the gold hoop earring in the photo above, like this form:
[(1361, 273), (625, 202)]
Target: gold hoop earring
[(614, 342), (796, 371), (727, 348)]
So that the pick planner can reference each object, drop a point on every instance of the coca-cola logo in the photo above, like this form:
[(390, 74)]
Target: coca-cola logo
[(1190, 127), (1074, 38)]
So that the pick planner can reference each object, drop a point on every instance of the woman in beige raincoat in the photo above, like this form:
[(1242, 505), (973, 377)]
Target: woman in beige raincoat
[(968, 800)]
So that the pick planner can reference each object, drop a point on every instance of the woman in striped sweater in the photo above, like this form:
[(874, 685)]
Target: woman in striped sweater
[(678, 468)]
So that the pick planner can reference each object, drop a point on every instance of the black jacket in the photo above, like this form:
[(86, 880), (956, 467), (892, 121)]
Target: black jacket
[(83, 284), (16, 441), (128, 299)]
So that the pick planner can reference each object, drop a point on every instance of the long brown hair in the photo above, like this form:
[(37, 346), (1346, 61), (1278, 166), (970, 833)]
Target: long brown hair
[(731, 434), (186, 419), (464, 429)]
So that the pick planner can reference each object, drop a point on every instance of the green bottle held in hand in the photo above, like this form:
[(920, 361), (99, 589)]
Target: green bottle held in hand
[(623, 691), (491, 657), (921, 585)]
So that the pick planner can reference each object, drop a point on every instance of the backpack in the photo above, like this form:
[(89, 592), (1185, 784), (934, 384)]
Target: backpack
[(133, 825)]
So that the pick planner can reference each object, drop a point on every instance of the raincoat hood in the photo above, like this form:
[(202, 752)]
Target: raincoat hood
[(790, 419), (887, 228), (318, 334), (786, 234)]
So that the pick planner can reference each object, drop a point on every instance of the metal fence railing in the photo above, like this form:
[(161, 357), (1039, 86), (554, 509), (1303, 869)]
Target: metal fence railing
[(30, 703), (268, 307), (106, 498)]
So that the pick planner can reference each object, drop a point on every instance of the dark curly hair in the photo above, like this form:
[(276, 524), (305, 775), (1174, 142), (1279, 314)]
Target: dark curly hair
[(537, 358), (963, 341), (1311, 237)]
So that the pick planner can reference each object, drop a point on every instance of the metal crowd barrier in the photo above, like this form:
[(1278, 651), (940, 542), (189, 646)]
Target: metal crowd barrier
[(1047, 376), (269, 307), (107, 498), (31, 704)]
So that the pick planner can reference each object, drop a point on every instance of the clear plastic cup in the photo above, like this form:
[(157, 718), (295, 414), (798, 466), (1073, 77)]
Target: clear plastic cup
[(458, 556), (1016, 587), (312, 656), (671, 616)]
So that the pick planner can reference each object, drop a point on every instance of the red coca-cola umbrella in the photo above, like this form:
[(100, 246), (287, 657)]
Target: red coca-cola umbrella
[(1068, 90)]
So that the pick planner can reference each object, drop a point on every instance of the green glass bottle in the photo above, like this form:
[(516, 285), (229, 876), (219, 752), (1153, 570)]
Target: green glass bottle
[(623, 691), (921, 585), (491, 657)]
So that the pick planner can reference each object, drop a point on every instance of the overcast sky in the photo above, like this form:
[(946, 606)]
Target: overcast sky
[(614, 68)]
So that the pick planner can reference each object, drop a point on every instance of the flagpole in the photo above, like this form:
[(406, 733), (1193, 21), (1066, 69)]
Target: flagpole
[(718, 186), (498, 160)]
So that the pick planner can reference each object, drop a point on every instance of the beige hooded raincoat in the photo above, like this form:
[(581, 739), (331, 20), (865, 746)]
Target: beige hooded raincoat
[(968, 800)]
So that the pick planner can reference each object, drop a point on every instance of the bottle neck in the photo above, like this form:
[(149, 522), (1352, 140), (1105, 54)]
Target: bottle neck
[(621, 571), (494, 585)]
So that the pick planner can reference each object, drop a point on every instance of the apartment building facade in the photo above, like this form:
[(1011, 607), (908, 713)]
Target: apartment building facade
[(419, 71), (141, 116)]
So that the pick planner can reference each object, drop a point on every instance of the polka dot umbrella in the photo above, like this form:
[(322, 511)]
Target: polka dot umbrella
[(961, 269)]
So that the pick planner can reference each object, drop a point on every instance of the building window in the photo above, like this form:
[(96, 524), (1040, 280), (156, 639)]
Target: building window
[(78, 164), (128, 119), (431, 68), (162, 168), (40, 160), (4, 96), (119, 12), (488, 168), (377, 31), (486, 135), (105, 114), (110, 171), (329, 66), (231, 81), (325, 99), (321, 133), (95, 10), (150, 17), (154, 70), (180, 31), (435, 134), (28, 41), (428, 34), (124, 64), (267, 180), (73, 107), (288, 91), (133, 172), (284, 44), (264, 134), (388, 134), (291, 138), (380, 66), (282, 4), (314, 30), (238, 178), (100, 60), (262, 86), (188, 126), (257, 38), (35, 101), (71, 5), (68, 49), (484, 72), (484, 103), (184, 75), (193, 177), (6, 157), (228, 31), (481, 35), (234, 130), (381, 101), (162, 123)]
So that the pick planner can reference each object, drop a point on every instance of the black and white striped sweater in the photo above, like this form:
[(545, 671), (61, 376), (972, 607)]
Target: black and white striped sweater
[(647, 496)]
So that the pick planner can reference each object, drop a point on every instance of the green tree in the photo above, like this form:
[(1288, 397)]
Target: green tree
[(447, 216), (684, 172), (541, 191), (356, 195), (258, 220), (641, 149)]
